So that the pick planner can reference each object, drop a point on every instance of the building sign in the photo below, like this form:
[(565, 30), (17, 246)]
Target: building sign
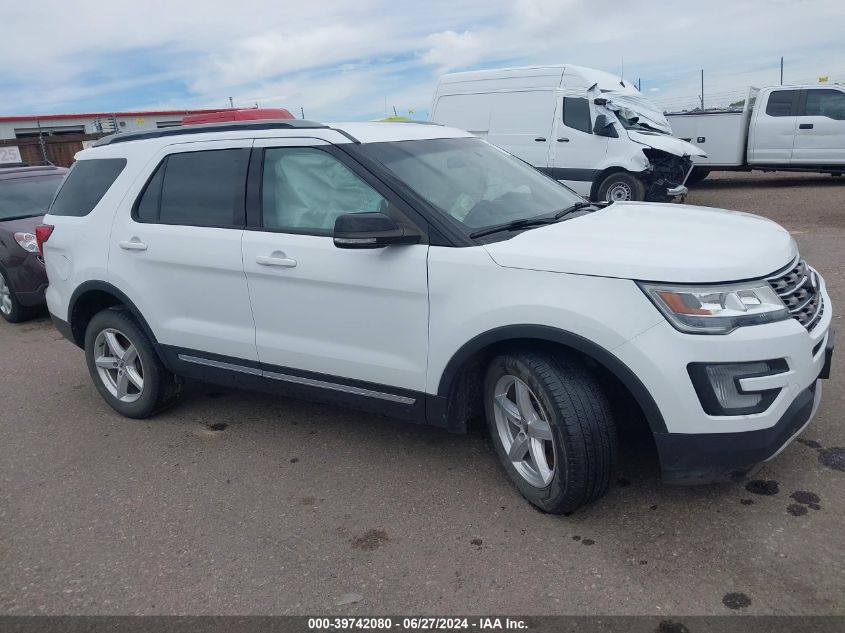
[(10, 154)]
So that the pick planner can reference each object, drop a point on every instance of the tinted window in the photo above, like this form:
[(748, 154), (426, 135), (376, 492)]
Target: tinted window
[(85, 185), (197, 189), (829, 103), (576, 114), (148, 205), (305, 189), (22, 197), (471, 181), (780, 103)]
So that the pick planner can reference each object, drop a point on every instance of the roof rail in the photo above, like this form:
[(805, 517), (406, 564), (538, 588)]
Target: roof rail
[(228, 126)]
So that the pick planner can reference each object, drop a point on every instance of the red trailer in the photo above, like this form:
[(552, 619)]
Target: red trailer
[(250, 114)]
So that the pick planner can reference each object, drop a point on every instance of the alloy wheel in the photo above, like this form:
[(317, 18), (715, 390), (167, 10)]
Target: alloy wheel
[(5, 296), (119, 365), (524, 431)]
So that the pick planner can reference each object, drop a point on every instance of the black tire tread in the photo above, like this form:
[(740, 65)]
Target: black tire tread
[(588, 432)]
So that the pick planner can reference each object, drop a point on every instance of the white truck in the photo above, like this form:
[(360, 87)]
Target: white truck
[(589, 129), (780, 128)]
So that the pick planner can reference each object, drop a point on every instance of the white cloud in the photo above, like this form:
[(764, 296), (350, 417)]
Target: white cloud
[(345, 60)]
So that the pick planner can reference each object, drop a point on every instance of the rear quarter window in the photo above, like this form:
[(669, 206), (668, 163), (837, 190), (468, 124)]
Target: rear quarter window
[(85, 185)]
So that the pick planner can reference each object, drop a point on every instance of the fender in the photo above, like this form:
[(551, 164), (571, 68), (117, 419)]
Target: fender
[(554, 335)]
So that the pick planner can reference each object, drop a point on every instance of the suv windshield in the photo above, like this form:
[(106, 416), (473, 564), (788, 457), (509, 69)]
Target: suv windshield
[(471, 181), (25, 197)]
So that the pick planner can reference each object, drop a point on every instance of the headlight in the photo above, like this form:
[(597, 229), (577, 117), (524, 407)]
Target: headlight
[(27, 242), (717, 309)]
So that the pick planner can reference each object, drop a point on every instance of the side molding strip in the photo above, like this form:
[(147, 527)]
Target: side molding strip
[(358, 391), (299, 380), (219, 365)]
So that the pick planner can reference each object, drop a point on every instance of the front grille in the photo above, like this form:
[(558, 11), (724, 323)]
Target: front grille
[(798, 288)]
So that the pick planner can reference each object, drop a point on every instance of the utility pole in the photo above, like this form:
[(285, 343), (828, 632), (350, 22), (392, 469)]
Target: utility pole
[(640, 85), (302, 111), (781, 70), (231, 104), (702, 90)]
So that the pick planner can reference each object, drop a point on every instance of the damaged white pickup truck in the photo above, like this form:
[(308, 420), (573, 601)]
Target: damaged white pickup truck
[(587, 128)]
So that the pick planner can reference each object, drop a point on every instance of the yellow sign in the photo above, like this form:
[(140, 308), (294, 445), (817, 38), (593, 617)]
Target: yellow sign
[(823, 80), (139, 121)]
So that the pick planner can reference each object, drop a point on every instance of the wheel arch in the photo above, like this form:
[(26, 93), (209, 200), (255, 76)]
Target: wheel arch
[(607, 171), (465, 365), (93, 296)]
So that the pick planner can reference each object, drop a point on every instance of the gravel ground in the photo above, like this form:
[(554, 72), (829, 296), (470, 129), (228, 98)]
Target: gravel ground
[(285, 507)]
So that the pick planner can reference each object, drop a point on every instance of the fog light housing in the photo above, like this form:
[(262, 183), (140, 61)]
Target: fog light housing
[(720, 392)]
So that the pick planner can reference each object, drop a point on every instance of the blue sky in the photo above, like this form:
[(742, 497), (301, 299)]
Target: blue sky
[(340, 60)]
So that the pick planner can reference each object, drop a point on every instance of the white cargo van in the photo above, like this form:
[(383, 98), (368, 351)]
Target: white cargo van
[(780, 128), (587, 128)]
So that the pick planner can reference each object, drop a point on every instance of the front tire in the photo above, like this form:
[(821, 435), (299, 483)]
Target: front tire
[(620, 186), (552, 428), (125, 367)]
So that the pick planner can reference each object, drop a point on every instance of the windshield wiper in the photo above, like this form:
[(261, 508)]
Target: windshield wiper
[(583, 204), (524, 223), (513, 225)]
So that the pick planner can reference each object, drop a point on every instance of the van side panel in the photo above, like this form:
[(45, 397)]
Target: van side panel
[(470, 112), (521, 123)]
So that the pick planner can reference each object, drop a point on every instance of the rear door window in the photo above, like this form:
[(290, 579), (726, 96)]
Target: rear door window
[(85, 185), (205, 188), (780, 103)]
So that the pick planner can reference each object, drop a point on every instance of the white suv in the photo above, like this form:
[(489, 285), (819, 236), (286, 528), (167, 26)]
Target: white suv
[(417, 271)]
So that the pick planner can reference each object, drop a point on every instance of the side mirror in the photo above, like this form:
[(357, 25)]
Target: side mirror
[(605, 127), (369, 230)]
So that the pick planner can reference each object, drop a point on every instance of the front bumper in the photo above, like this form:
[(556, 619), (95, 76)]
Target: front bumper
[(714, 457), (695, 447)]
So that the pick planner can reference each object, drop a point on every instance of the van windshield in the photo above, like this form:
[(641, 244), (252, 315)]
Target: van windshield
[(472, 181)]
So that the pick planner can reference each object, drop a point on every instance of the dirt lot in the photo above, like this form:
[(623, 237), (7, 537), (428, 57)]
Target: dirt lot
[(236, 503)]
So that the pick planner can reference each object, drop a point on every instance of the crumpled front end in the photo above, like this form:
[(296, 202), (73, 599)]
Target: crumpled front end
[(666, 177)]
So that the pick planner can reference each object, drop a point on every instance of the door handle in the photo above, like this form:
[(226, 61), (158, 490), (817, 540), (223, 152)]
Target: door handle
[(805, 126), (270, 260), (540, 139), (132, 245), (563, 139)]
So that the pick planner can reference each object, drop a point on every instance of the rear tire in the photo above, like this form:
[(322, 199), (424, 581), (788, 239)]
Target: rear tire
[(619, 186), (10, 308), (125, 367), (555, 407)]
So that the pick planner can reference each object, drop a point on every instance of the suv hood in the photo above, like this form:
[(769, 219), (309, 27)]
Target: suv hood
[(653, 242), (666, 143)]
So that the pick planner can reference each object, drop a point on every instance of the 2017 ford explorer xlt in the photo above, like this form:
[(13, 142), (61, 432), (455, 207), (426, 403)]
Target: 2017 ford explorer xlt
[(417, 271)]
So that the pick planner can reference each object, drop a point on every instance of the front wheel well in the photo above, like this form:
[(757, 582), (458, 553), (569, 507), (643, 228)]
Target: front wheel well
[(633, 409), (600, 177)]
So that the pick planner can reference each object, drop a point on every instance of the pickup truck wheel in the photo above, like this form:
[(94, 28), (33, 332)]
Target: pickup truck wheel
[(551, 425), (10, 308), (125, 367), (620, 186)]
